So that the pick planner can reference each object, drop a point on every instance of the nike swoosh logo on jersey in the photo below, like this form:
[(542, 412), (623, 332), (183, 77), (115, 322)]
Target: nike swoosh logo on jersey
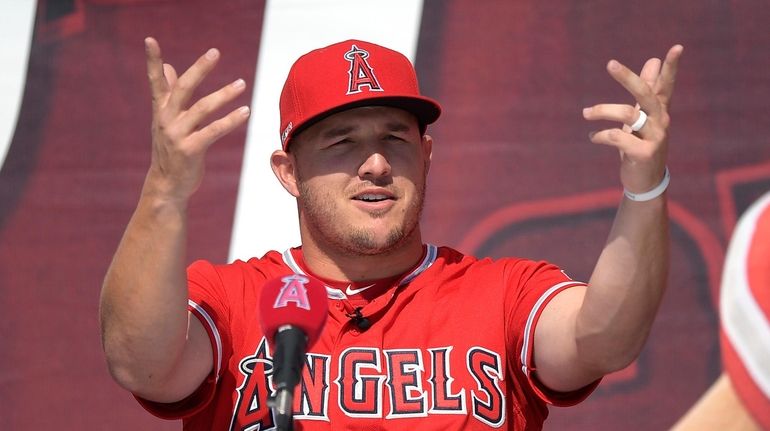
[(350, 291)]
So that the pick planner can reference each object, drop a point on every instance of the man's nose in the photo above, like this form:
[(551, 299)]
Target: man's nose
[(376, 165)]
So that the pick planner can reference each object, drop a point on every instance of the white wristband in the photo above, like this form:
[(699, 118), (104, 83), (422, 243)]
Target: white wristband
[(652, 194)]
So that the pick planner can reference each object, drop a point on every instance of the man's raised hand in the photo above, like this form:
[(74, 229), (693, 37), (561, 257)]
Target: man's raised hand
[(182, 132), (643, 153)]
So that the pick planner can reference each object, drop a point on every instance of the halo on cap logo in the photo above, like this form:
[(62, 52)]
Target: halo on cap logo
[(360, 74)]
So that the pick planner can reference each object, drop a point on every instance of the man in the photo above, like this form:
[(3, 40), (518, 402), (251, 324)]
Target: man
[(452, 342)]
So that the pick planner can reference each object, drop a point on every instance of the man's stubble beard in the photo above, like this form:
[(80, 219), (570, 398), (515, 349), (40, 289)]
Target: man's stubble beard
[(319, 211)]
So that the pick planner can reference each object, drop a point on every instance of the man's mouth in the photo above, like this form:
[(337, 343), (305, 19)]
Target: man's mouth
[(372, 197)]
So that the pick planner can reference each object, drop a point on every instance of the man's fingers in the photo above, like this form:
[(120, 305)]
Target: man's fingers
[(636, 86), (650, 71), (664, 87), (158, 84), (221, 127), (170, 74), (625, 114), (190, 79), (629, 144), (211, 103)]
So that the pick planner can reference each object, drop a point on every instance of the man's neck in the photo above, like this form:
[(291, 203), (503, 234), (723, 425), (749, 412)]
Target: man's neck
[(329, 263)]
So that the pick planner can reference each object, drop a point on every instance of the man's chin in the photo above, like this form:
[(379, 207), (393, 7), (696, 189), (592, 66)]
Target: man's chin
[(373, 243)]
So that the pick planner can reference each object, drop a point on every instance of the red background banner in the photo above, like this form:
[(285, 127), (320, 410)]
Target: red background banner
[(513, 173)]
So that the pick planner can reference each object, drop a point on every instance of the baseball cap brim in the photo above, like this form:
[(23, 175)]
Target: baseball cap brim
[(425, 109)]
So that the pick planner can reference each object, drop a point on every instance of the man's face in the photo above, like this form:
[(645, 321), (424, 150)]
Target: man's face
[(361, 179)]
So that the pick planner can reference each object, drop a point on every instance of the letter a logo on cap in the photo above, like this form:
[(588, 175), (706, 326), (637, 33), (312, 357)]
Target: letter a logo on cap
[(361, 73), (293, 290)]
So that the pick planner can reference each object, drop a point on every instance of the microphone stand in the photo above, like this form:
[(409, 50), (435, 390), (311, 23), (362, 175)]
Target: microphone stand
[(291, 344), (281, 403)]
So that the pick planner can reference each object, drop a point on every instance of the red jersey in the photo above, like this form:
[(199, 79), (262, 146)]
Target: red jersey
[(449, 348)]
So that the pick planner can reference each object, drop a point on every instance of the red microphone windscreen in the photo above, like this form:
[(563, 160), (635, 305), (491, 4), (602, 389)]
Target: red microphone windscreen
[(295, 300)]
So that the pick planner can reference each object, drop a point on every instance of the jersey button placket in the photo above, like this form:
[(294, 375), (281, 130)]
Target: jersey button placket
[(338, 309)]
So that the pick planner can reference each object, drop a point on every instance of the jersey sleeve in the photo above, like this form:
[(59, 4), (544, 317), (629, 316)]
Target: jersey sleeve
[(208, 303), (531, 286)]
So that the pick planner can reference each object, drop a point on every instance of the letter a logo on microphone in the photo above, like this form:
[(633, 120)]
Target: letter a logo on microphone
[(293, 290)]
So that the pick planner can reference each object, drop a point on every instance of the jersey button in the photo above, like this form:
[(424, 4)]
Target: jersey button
[(355, 331)]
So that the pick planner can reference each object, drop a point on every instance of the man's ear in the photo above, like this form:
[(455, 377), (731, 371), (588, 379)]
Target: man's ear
[(285, 169), (427, 150)]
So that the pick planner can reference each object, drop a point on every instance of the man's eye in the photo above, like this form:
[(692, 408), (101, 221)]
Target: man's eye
[(339, 143)]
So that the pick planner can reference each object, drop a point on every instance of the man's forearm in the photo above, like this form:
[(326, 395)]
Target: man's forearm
[(143, 309), (626, 286)]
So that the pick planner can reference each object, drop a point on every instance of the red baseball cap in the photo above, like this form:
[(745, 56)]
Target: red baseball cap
[(347, 75)]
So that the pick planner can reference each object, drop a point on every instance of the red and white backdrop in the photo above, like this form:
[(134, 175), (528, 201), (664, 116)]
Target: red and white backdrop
[(513, 171)]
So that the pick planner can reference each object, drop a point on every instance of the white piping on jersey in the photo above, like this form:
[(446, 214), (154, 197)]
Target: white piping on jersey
[(743, 320), (333, 293), (288, 259), (430, 257), (531, 319), (217, 339)]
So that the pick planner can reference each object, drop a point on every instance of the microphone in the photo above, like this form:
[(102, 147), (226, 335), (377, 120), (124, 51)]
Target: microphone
[(359, 319), (292, 314)]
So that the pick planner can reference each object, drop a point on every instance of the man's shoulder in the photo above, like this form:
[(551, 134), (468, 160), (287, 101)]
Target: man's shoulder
[(451, 260), (451, 256), (271, 264)]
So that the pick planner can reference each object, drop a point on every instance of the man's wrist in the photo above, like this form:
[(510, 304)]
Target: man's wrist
[(651, 194)]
